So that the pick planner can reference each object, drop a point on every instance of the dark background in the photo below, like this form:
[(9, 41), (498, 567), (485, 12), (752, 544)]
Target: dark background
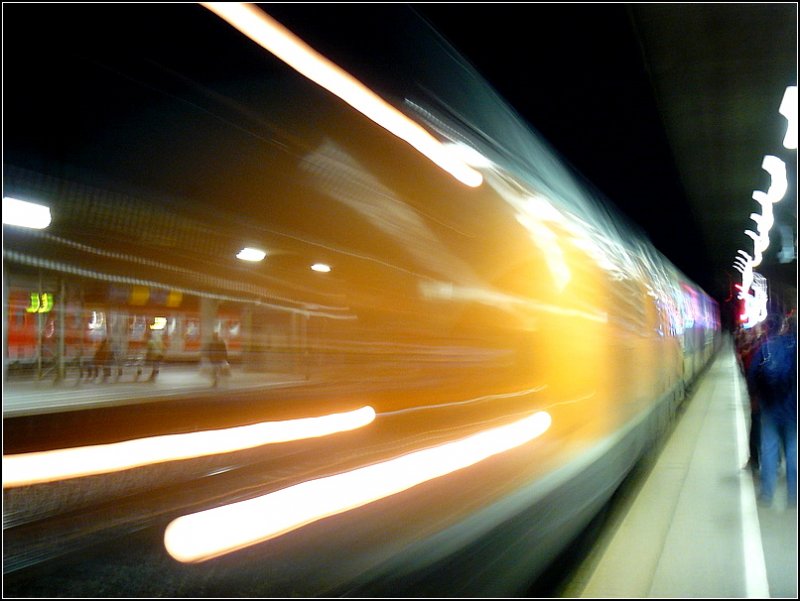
[(668, 109)]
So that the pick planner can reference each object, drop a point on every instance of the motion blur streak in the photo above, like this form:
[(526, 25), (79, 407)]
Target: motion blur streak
[(215, 532), (481, 399), (49, 466), (272, 36)]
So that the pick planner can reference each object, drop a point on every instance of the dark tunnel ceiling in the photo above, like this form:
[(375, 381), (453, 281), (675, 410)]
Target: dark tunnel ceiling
[(668, 108), (719, 73)]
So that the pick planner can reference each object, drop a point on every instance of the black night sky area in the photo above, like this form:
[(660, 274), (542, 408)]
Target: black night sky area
[(574, 73)]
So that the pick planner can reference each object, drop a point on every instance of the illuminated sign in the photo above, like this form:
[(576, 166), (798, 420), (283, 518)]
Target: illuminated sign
[(40, 303)]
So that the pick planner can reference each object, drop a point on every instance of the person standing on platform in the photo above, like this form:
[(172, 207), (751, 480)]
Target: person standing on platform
[(772, 376), (747, 341), (155, 354), (217, 354), (103, 358)]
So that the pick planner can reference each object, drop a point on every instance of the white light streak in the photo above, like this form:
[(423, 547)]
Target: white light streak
[(251, 254), (779, 184), (746, 262), (789, 110), (756, 303), (25, 214), (469, 155), (49, 466), (274, 37), (207, 534)]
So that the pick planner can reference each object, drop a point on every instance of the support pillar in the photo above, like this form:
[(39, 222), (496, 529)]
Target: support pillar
[(62, 319), (208, 318)]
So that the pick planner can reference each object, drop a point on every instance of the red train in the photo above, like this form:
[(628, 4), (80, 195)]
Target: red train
[(35, 328)]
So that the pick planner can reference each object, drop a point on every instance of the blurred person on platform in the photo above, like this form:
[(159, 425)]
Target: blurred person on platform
[(747, 342), (155, 354), (772, 376), (103, 357), (217, 354)]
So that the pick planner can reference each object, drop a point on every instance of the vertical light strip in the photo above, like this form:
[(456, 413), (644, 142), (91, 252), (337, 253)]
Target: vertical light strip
[(779, 184), (272, 36), (755, 304), (788, 109), (755, 567)]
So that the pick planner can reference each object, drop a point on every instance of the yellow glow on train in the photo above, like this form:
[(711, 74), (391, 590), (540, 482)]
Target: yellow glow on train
[(271, 35), (49, 466), (207, 534)]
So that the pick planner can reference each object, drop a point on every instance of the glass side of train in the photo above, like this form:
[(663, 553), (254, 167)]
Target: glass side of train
[(442, 351)]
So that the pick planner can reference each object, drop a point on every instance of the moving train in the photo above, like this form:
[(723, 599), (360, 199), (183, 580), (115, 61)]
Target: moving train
[(476, 349)]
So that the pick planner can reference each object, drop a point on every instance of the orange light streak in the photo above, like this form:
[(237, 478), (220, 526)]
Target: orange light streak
[(60, 464), (214, 532)]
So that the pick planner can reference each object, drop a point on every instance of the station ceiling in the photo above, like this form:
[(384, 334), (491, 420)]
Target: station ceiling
[(719, 72), (668, 108)]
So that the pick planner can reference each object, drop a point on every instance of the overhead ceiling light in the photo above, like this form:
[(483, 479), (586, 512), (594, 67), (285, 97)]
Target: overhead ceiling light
[(789, 110), (251, 254), (779, 184), (25, 214), (321, 267), (271, 35)]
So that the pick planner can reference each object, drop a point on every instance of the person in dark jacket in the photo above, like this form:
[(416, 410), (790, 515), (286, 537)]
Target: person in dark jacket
[(217, 354), (154, 355), (747, 342), (103, 358), (772, 376)]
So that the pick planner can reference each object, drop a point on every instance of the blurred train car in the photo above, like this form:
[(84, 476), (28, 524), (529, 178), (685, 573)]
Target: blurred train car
[(520, 344)]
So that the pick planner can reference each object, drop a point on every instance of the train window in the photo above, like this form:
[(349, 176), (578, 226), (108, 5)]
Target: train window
[(138, 328), (97, 321)]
